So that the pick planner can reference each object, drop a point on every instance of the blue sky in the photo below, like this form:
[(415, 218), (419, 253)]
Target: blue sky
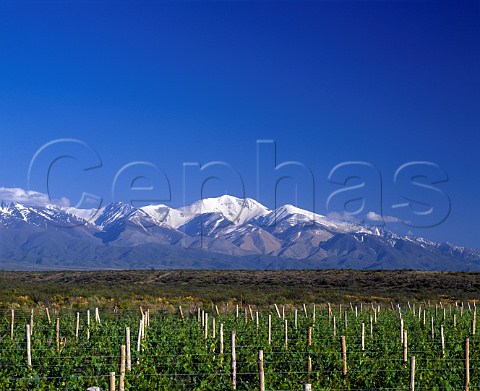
[(386, 83)]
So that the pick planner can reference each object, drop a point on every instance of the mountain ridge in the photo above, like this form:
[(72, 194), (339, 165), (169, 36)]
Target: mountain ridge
[(223, 232)]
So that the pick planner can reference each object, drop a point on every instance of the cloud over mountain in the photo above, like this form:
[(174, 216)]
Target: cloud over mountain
[(29, 197), (373, 216)]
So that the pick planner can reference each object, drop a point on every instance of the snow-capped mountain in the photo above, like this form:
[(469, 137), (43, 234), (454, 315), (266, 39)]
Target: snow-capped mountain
[(236, 210), (15, 214), (223, 232), (122, 224)]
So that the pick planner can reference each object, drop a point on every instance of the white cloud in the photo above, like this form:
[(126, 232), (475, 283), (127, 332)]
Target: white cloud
[(372, 216), (344, 216), (30, 197)]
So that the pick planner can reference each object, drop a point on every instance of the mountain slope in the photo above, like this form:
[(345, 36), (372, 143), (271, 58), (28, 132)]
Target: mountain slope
[(224, 232)]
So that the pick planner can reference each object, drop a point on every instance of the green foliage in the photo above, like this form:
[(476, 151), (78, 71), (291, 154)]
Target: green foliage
[(175, 355)]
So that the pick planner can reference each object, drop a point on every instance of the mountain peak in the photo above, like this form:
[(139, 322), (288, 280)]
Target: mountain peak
[(237, 210), (291, 209), (299, 214), (115, 211), (225, 225)]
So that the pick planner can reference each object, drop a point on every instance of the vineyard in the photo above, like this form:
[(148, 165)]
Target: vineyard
[(325, 347)]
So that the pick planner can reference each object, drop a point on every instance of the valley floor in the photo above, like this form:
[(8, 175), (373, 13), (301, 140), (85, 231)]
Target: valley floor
[(124, 288)]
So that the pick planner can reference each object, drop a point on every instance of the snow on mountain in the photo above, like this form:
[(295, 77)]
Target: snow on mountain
[(118, 211), (86, 214), (289, 215), (206, 224), (237, 210), (226, 226), (170, 216), (123, 224), (13, 213)]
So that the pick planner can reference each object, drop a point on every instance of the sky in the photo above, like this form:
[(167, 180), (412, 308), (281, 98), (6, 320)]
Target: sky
[(348, 108)]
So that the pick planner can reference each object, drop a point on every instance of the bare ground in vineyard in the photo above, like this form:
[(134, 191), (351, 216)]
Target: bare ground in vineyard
[(255, 287)]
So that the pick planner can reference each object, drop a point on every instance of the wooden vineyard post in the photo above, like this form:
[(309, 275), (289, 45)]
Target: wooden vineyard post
[(296, 318), (214, 328), (344, 355), (467, 364), (307, 387), (261, 373), (345, 315), (111, 383), (12, 324), (139, 338), (269, 329), (401, 331), (88, 325), (432, 328), (363, 336), (31, 321), (257, 320), (286, 334), (371, 326), (57, 333), (29, 346), (128, 349), (121, 382), (97, 315), (77, 325), (412, 373), (405, 346), (334, 326), (48, 315), (305, 310), (234, 363), (309, 336), (442, 339), (181, 312), (221, 338), (474, 322), (276, 309), (206, 325)]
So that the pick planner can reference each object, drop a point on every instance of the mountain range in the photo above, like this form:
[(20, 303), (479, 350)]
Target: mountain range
[(214, 233)]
